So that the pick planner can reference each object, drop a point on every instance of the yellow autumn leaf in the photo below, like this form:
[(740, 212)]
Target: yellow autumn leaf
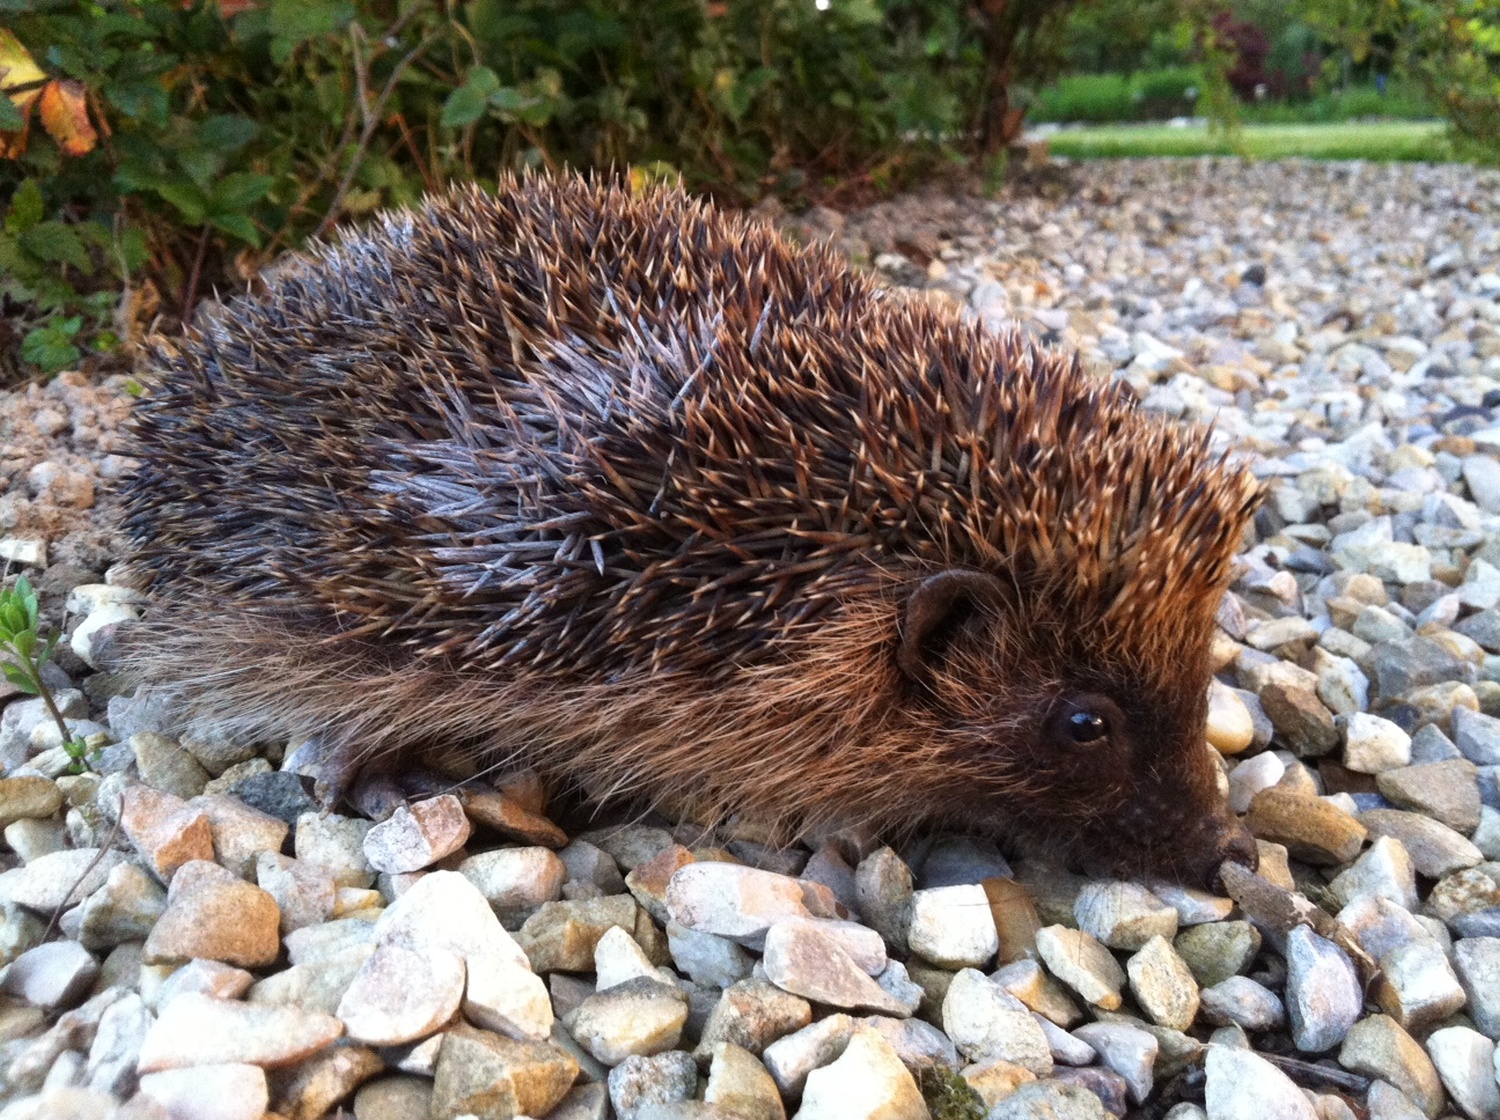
[(65, 116), (17, 67), (19, 77)]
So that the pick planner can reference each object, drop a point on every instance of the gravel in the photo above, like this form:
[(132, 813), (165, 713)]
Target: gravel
[(1339, 324)]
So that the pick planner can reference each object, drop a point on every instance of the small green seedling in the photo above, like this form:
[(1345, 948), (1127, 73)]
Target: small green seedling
[(24, 652)]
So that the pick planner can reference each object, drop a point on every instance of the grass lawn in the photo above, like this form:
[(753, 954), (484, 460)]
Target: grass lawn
[(1382, 140)]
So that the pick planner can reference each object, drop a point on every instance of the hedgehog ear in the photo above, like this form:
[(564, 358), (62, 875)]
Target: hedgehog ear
[(935, 610)]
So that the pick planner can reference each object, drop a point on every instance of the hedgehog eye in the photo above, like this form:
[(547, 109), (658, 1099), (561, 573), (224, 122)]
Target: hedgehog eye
[(1085, 719), (1087, 727)]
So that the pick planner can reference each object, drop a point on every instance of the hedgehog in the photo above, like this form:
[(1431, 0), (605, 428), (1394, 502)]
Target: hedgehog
[(640, 494)]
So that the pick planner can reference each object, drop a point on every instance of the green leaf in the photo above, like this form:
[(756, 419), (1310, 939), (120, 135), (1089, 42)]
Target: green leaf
[(226, 133), (293, 22), (237, 225), (25, 206), (465, 105), (188, 199), (238, 191), (53, 241), (49, 350), (24, 643), (15, 676), (133, 247), (201, 164), (139, 100), (10, 117)]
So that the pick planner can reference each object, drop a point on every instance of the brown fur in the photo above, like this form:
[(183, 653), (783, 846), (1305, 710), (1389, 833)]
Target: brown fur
[(639, 493)]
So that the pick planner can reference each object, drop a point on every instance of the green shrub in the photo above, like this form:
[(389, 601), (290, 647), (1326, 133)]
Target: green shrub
[(1096, 98), (1450, 49), (168, 148), (1167, 93), (1401, 101), (1108, 98)]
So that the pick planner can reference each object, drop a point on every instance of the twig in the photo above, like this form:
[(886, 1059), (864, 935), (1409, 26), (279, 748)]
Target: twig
[(427, 180), (190, 292), (108, 845), (356, 114), (372, 118), (1308, 1071)]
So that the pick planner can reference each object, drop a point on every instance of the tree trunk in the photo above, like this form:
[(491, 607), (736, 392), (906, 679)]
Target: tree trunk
[(998, 123)]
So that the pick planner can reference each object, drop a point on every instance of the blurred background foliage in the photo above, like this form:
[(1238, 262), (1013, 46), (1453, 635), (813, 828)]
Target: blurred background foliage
[(153, 152)]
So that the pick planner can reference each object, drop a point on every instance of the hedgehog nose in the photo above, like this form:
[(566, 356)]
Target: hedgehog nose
[(1234, 844)]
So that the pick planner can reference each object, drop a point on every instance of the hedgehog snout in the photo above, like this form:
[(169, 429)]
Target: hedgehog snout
[(1202, 850)]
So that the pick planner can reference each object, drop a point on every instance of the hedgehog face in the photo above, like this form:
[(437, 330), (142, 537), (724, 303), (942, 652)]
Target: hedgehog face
[(1102, 763)]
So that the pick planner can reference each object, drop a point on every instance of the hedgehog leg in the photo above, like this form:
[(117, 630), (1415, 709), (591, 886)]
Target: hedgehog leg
[(341, 767), (375, 793), (366, 782)]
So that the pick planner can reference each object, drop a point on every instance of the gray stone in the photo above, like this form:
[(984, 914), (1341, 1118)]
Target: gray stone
[(1216, 951), (1377, 1046), (1301, 719), (1242, 1002), (956, 860), (125, 908), (866, 1082), (792, 1057), (280, 794), (304, 892), (166, 766), (1465, 1060), (1477, 736), (1483, 628), (47, 882), (753, 1014), (733, 901), (117, 1045), (1129, 1051), (639, 1083), (1083, 964), (918, 1044), (1429, 744), (1435, 849), (706, 957), (952, 927), (335, 844), (987, 1023), (1049, 1100), (1402, 667), (56, 974), (1477, 962), (1386, 1102), (1445, 791), (1373, 744), (1244, 1086), (1123, 915), (417, 836), (1324, 996), (1163, 984)]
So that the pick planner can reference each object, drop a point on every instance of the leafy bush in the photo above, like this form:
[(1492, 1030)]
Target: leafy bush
[(1449, 48), (1399, 101), (163, 147), (1107, 98)]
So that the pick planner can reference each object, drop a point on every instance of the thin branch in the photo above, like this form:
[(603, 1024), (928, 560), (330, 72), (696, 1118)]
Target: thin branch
[(372, 121), (108, 845), (357, 113), (190, 292)]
